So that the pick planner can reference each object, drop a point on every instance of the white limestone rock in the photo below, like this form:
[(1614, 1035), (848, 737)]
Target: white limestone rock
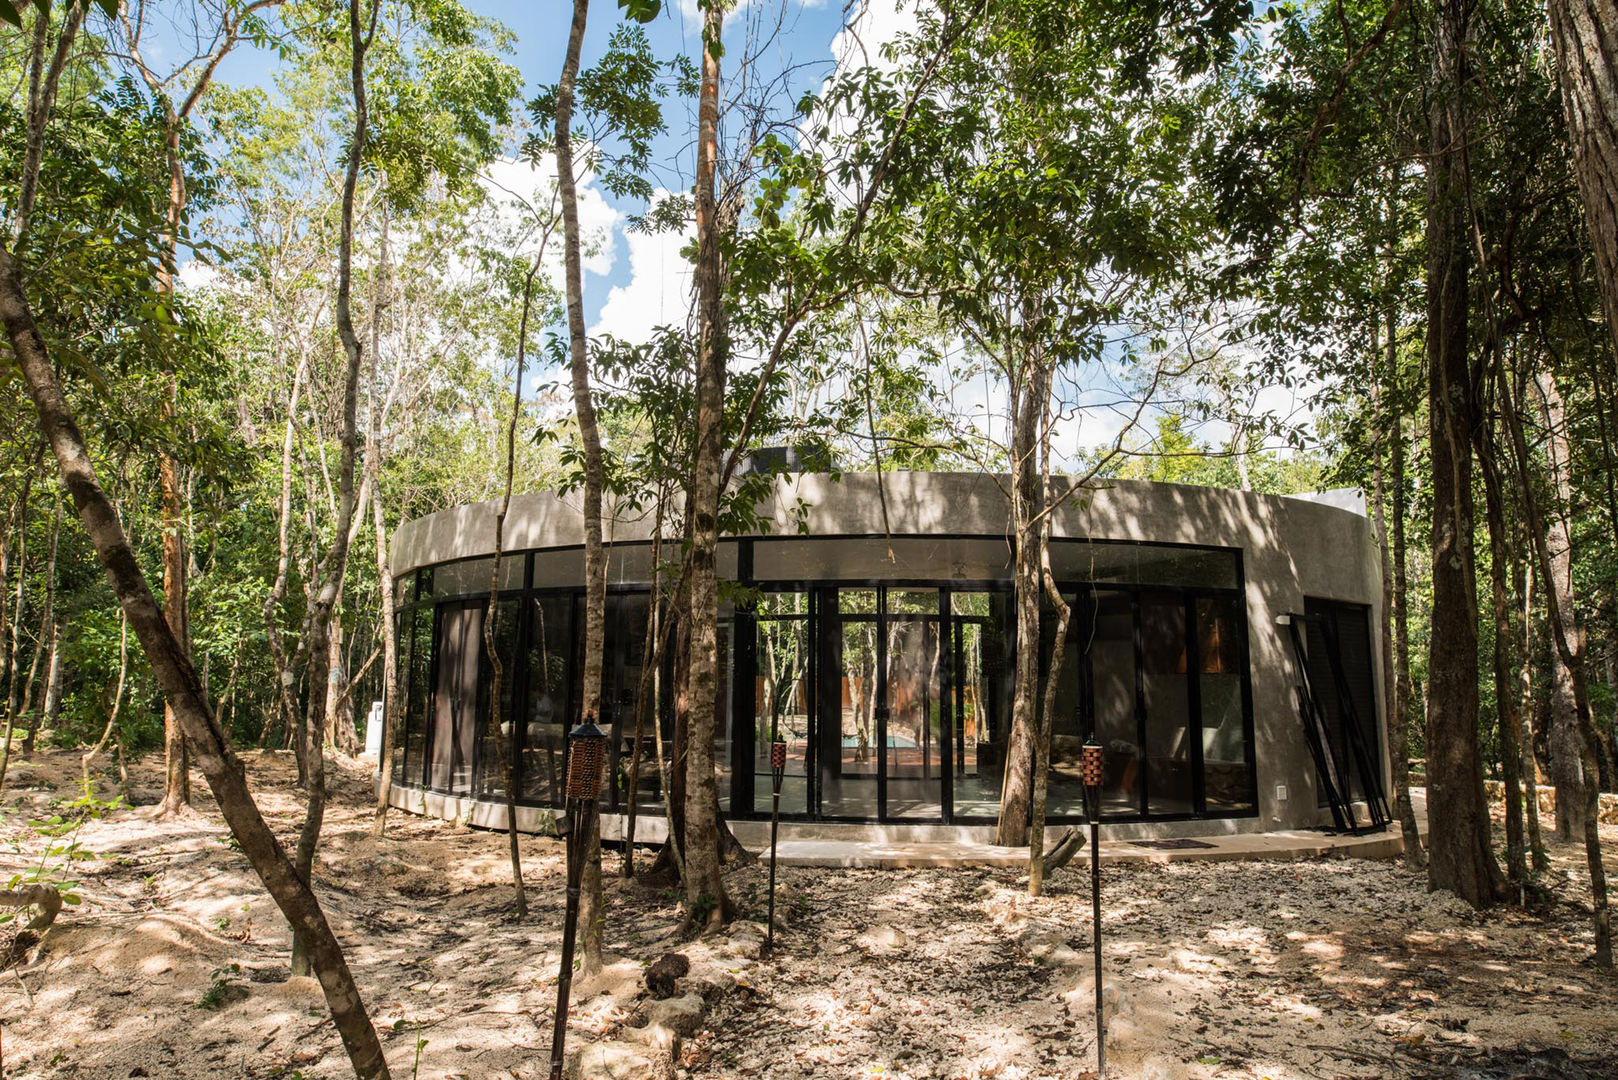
[(682, 1015), (618, 1061), (882, 938)]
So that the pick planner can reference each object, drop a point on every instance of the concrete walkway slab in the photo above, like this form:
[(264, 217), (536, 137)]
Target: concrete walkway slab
[(1300, 844)]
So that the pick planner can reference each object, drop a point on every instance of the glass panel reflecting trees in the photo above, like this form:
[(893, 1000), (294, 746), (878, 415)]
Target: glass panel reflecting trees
[(912, 708), (848, 705), (1165, 690), (548, 705), (894, 699), (1114, 694), (453, 713), (1227, 749), (494, 744), (783, 682), (980, 668)]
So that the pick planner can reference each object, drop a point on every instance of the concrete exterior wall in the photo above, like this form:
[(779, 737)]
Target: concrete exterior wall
[(1291, 548)]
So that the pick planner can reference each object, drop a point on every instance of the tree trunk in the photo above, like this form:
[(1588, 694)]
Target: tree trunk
[(324, 602), (339, 722), (43, 78), (285, 674), (1461, 856), (117, 698), (1529, 758), (1505, 696), (1047, 706), (12, 622), (180, 686), (1585, 34), (384, 572), (1399, 709), (491, 620), (177, 777), (5, 626), (595, 564), (1569, 754), (706, 901), (1568, 644), (1026, 508), (48, 633), (647, 694), (52, 711), (672, 854)]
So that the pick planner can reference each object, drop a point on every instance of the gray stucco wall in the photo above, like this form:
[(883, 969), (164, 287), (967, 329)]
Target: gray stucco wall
[(1291, 548)]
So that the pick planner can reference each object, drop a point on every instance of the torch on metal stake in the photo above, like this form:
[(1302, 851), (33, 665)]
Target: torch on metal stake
[(587, 746), (778, 769), (1091, 768)]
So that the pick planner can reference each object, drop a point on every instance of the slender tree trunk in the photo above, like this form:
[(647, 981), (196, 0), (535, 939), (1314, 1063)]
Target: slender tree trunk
[(1026, 510), (1569, 649), (491, 621), (1461, 857), (1505, 691), (324, 603), (180, 686), (1064, 613), (5, 627), (51, 713), (646, 694), (672, 855), (285, 673), (48, 632), (117, 698), (595, 563), (177, 776), (15, 695), (706, 900), (1525, 713), (1399, 706), (384, 571), (1585, 34), (390, 664), (43, 79), (1569, 754)]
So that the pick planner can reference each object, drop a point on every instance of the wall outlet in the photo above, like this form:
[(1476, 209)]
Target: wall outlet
[(1280, 793)]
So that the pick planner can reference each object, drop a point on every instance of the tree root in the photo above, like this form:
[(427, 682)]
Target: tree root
[(44, 897), (1062, 854)]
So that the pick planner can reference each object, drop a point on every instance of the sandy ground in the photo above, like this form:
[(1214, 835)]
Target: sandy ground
[(175, 964)]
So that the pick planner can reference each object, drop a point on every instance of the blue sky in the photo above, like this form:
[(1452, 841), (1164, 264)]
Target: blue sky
[(640, 269)]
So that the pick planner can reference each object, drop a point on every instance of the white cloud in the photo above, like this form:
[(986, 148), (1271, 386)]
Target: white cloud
[(196, 275), (658, 292), (878, 22), (511, 181)]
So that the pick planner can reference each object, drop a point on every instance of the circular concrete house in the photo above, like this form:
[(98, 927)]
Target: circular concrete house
[(1220, 649)]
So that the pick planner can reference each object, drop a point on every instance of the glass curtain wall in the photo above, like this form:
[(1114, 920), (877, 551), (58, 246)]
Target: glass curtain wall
[(1157, 666), (894, 698)]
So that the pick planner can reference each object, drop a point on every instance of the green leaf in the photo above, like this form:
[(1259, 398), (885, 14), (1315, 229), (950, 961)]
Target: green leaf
[(642, 11), (8, 12)]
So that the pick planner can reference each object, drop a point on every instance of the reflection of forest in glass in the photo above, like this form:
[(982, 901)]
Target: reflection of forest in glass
[(551, 648), (1156, 673), (782, 697)]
